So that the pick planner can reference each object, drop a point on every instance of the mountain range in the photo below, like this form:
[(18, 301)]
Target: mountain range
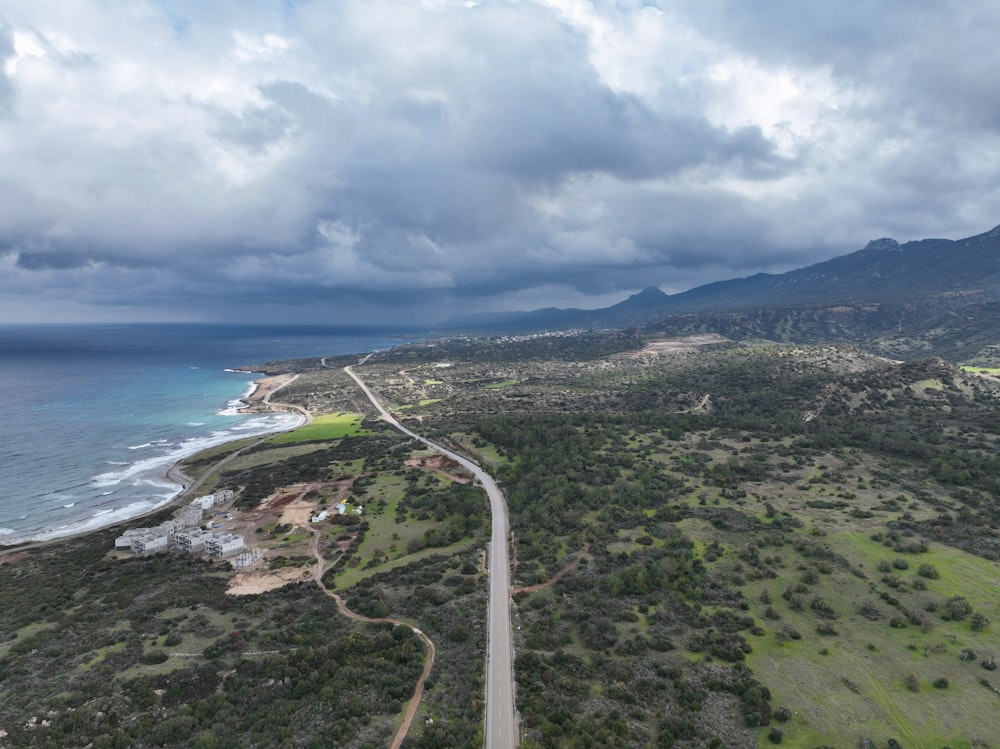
[(930, 296)]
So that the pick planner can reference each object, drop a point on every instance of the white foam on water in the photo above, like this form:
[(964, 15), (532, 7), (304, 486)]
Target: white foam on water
[(99, 519), (141, 485)]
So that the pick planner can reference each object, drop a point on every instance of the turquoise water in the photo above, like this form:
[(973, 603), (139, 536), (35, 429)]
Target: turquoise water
[(95, 415)]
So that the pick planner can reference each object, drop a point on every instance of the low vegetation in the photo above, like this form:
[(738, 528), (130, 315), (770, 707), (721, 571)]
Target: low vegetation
[(325, 427), (732, 545)]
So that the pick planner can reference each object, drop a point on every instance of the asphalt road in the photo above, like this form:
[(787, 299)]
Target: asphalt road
[(501, 724)]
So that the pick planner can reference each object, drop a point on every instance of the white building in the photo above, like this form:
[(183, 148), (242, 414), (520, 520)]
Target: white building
[(192, 541), (149, 543), (140, 540), (208, 501), (320, 517), (167, 528), (189, 516), (125, 540), (224, 544)]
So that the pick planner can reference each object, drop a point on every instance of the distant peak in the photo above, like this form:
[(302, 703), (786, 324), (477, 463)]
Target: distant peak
[(885, 243), (648, 297), (650, 292)]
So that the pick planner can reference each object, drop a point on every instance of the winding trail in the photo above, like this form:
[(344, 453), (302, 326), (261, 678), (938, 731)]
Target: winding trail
[(501, 720), (572, 564), (418, 692)]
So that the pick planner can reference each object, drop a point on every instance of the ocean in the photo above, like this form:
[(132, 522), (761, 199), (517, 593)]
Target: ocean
[(95, 415)]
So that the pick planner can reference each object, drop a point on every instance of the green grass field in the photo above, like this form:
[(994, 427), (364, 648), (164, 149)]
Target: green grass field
[(872, 678), (326, 427), (501, 385), (386, 539)]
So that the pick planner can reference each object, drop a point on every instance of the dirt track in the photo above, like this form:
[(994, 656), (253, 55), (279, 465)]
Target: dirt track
[(556, 577), (418, 692)]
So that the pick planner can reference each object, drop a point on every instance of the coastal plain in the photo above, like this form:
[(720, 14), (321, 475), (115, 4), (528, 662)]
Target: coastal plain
[(715, 543)]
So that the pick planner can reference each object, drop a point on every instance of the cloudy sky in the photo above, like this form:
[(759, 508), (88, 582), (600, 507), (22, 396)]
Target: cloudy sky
[(384, 160)]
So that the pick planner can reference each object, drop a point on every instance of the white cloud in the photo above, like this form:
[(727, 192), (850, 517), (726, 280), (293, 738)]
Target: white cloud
[(480, 148)]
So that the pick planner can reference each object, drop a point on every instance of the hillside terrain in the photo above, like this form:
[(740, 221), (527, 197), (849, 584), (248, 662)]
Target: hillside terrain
[(798, 537), (715, 544), (932, 297)]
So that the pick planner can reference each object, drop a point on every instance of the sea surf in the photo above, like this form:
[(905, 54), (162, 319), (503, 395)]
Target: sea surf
[(95, 415)]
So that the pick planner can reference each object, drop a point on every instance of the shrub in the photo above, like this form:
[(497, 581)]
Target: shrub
[(929, 571), (941, 683), (153, 657), (956, 609), (775, 735)]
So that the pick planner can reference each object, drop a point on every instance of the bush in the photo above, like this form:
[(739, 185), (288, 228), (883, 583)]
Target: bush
[(153, 657), (929, 571), (775, 735), (941, 683), (956, 609)]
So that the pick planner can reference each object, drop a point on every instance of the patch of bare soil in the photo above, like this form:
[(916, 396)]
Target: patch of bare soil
[(683, 343), (286, 506), (13, 557), (254, 582), (556, 577), (440, 464)]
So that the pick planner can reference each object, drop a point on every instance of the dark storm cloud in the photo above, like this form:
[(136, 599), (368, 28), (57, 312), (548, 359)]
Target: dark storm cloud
[(328, 158), (51, 260)]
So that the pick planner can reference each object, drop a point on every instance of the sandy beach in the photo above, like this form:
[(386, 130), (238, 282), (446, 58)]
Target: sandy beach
[(257, 401)]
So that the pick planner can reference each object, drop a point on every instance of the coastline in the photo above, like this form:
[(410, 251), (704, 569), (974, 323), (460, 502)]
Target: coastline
[(256, 400)]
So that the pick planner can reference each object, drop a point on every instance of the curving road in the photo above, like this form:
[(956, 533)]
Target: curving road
[(501, 725)]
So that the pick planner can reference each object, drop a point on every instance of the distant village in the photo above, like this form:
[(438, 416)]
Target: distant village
[(184, 532)]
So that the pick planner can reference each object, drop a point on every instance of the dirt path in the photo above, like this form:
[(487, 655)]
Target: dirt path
[(418, 691), (178, 476), (556, 577)]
